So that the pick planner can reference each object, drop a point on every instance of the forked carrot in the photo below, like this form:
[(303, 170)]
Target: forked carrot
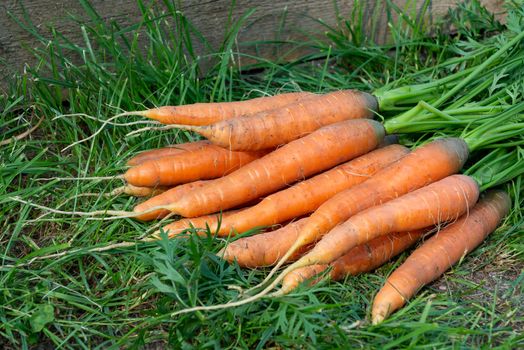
[(439, 253), (279, 126), (362, 258), (321, 150), (208, 113), (204, 163), (166, 151), (306, 196)]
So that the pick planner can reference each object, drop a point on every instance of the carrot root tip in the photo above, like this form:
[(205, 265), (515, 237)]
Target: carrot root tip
[(379, 312), (376, 319), (222, 253)]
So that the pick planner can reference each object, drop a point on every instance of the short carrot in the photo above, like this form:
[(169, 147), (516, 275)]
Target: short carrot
[(321, 150), (362, 258), (166, 151), (263, 249), (306, 196), (439, 253), (279, 126), (204, 163), (165, 198), (208, 113)]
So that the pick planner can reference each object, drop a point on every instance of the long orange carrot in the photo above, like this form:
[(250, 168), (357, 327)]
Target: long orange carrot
[(167, 151), (439, 253), (362, 258), (306, 196), (279, 126), (263, 249), (208, 113), (439, 202), (421, 167), (301, 158), (165, 198), (200, 224), (207, 162)]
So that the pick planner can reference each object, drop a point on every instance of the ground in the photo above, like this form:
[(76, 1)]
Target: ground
[(62, 287)]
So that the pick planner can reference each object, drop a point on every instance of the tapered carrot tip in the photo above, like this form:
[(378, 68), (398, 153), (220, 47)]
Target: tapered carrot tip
[(159, 114), (379, 317), (383, 308), (141, 176), (222, 253)]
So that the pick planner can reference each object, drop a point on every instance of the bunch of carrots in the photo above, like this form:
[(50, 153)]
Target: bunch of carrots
[(332, 191)]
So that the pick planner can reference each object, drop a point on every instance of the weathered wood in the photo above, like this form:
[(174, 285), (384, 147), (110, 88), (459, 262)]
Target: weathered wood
[(272, 20)]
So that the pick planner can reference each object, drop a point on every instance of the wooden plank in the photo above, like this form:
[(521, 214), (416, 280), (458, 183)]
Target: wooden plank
[(272, 20)]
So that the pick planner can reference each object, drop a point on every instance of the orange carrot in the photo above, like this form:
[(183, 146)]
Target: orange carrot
[(263, 249), (309, 155), (279, 126), (439, 202), (421, 167), (208, 113), (362, 258), (207, 162), (165, 198), (439, 253), (200, 224), (166, 151), (306, 196)]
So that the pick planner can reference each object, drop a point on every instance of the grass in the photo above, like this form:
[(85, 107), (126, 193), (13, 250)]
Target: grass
[(61, 288)]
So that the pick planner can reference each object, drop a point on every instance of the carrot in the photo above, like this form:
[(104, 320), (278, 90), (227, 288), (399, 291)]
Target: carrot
[(439, 202), (208, 113), (166, 151), (439, 253), (263, 249), (200, 223), (279, 126), (421, 167), (308, 195), (207, 162), (311, 154), (362, 258), (163, 199)]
